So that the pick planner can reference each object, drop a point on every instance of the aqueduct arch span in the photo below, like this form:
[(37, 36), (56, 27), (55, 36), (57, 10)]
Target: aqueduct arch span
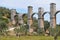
[(44, 15), (41, 14), (57, 13), (33, 15)]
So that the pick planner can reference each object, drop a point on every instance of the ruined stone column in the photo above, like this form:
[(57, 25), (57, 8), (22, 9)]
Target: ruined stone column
[(30, 12), (40, 18), (20, 19), (13, 13), (52, 15)]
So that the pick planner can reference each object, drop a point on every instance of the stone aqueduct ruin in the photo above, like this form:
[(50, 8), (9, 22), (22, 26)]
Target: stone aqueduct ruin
[(41, 14)]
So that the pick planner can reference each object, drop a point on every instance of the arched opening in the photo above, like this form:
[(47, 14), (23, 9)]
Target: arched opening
[(57, 14), (16, 20), (46, 16), (25, 18), (23, 15), (35, 21), (34, 15)]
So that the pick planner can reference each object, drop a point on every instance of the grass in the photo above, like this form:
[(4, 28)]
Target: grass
[(27, 38)]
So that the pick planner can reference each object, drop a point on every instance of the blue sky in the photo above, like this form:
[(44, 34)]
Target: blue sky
[(21, 6)]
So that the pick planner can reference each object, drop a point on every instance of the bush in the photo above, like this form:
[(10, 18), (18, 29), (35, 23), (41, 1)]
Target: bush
[(3, 27), (54, 31), (40, 31)]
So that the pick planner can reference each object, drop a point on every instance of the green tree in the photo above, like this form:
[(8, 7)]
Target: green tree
[(46, 25), (21, 30), (5, 12), (4, 19), (3, 27), (35, 24)]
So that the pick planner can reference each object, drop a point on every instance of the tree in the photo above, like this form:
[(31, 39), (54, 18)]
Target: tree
[(4, 19), (21, 30), (5, 12), (46, 25), (35, 24), (3, 27)]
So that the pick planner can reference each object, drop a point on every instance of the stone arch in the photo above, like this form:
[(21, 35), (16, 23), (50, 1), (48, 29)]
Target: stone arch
[(45, 13), (35, 21), (24, 21), (33, 15), (57, 12), (46, 26), (16, 19), (23, 15)]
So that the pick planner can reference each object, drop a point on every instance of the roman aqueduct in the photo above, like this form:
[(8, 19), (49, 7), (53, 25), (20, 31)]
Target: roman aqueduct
[(41, 14)]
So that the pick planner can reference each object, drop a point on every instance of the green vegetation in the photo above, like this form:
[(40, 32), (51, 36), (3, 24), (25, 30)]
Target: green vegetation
[(46, 25), (27, 38), (4, 20)]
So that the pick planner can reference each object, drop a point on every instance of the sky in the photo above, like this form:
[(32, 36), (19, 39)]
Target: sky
[(21, 6)]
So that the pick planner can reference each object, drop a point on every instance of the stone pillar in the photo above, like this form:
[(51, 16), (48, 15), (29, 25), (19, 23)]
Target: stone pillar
[(52, 15), (13, 13), (20, 19), (30, 12), (40, 18)]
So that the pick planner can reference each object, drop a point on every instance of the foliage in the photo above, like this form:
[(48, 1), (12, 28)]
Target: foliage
[(58, 30), (27, 38), (4, 19), (3, 27), (55, 31), (22, 29), (46, 25), (5, 12), (35, 24)]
